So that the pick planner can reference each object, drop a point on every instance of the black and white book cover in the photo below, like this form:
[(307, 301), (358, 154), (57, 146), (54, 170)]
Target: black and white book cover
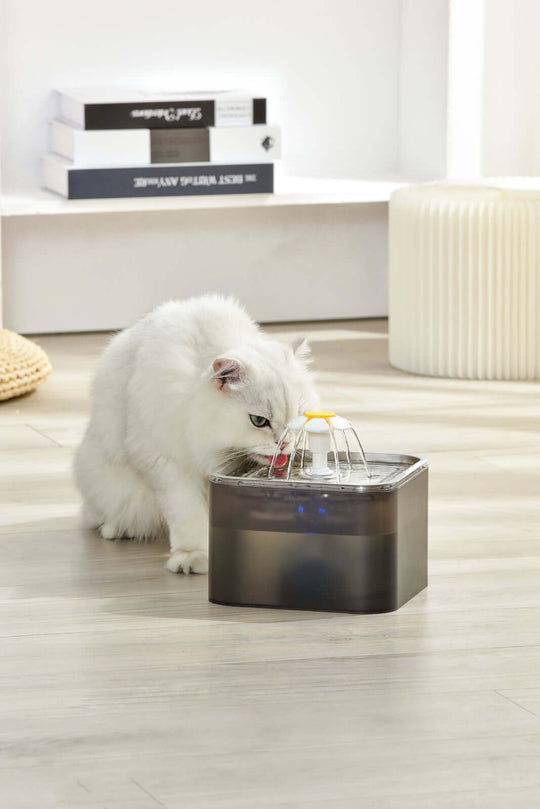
[(195, 179), (137, 109)]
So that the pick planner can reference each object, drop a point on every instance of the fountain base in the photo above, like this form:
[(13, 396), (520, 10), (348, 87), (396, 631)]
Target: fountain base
[(355, 544)]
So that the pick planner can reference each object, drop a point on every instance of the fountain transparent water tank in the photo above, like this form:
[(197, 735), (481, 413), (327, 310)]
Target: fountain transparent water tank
[(357, 544)]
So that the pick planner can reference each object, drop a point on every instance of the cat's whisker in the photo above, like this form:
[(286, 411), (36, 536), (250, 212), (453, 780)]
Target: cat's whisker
[(229, 456)]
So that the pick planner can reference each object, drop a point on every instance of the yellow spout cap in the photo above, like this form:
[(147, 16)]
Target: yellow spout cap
[(319, 414)]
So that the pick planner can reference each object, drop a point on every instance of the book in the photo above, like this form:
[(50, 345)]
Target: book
[(192, 179), (259, 143), (137, 109)]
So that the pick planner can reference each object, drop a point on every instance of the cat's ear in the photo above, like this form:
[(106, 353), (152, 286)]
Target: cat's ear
[(301, 350), (228, 373)]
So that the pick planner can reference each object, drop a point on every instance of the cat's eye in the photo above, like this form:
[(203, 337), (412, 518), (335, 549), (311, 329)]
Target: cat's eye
[(259, 421)]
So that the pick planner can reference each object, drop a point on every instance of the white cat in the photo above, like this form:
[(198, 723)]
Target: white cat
[(193, 384)]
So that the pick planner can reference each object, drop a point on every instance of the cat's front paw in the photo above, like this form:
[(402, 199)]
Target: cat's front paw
[(188, 562), (110, 531)]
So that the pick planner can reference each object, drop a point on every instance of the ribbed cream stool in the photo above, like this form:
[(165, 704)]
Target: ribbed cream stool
[(465, 279)]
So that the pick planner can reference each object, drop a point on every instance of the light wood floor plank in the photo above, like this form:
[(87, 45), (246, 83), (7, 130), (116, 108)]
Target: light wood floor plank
[(122, 687)]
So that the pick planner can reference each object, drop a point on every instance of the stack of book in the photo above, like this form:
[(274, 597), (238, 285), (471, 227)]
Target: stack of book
[(107, 144)]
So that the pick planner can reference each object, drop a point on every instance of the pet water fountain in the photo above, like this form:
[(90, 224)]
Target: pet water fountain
[(326, 528)]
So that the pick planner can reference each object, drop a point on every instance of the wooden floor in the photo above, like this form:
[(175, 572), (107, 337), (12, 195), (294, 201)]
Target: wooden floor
[(121, 686)]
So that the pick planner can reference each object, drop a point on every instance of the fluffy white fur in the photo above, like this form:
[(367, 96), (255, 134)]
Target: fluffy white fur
[(172, 400)]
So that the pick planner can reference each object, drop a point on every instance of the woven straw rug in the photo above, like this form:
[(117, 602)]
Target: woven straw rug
[(23, 365)]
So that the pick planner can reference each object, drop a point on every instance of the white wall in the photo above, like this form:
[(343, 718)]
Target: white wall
[(511, 113), (465, 88), (330, 69), (423, 83), (494, 98)]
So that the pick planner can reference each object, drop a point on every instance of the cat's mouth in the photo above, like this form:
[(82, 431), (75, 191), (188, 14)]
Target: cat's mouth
[(281, 460), (266, 460), (254, 460)]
